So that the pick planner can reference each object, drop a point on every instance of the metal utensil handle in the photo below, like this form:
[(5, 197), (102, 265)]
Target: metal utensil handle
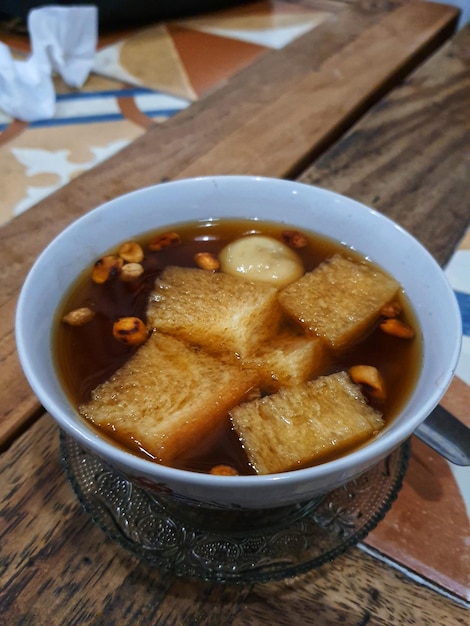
[(447, 435)]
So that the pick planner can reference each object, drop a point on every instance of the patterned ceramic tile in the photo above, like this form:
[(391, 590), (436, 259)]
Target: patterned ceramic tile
[(168, 64), (269, 24), (458, 273), (426, 531), (148, 58), (41, 159), (38, 158), (190, 57)]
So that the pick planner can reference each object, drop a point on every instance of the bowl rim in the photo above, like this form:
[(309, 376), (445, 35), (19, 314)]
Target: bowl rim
[(378, 447)]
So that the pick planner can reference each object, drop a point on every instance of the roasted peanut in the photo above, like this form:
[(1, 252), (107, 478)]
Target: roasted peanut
[(79, 317), (130, 330), (131, 252), (223, 470), (164, 241), (391, 309), (131, 271), (294, 238), (105, 268), (397, 328), (206, 261), (370, 376)]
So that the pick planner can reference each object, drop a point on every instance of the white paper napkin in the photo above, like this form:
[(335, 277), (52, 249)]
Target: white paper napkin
[(63, 40)]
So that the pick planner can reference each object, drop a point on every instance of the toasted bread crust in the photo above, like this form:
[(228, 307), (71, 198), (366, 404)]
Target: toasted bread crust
[(288, 359), (339, 300), (167, 397), (215, 310), (304, 424)]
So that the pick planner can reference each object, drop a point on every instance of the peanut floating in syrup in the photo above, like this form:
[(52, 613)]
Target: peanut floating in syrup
[(207, 261), (369, 376), (223, 470), (164, 241), (131, 271), (106, 268), (131, 252), (79, 317), (294, 238), (396, 328), (130, 330)]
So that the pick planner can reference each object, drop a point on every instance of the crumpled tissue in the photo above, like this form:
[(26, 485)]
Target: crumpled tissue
[(63, 40)]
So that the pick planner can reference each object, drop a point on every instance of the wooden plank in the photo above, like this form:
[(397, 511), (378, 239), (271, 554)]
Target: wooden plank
[(57, 567), (298, 125), (409, 157), (214, 127)]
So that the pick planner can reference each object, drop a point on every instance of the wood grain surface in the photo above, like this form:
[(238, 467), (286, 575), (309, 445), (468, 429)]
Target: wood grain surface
[(333, 71), (318, 107), (56, 567), (409, 157)]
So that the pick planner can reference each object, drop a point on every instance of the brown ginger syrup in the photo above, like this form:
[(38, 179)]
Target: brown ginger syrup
[(88, 355)]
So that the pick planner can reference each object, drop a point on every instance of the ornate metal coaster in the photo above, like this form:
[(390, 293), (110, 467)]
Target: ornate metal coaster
[(238, 547)]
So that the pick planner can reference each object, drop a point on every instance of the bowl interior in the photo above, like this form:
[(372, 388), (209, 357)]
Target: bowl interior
[(306, 207)]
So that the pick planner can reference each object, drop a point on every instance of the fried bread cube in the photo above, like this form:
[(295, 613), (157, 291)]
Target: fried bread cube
[(167, 397), (339, 300), (305, 424), (288, 359), (215, 310)]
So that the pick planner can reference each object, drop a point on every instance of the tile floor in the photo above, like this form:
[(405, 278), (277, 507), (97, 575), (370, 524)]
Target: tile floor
[(121, 98), (125, 94)]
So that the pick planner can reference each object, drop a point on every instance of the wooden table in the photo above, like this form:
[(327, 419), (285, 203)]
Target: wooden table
[(343, 107)]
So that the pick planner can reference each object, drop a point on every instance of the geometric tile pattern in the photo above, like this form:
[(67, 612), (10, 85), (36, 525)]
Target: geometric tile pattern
[(190, 57), (142, 76), (269, 24), (426, 531), (458, 273), (40, 157)]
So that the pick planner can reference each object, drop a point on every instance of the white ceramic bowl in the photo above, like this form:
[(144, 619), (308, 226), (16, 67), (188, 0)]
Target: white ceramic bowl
[(308, 208)]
